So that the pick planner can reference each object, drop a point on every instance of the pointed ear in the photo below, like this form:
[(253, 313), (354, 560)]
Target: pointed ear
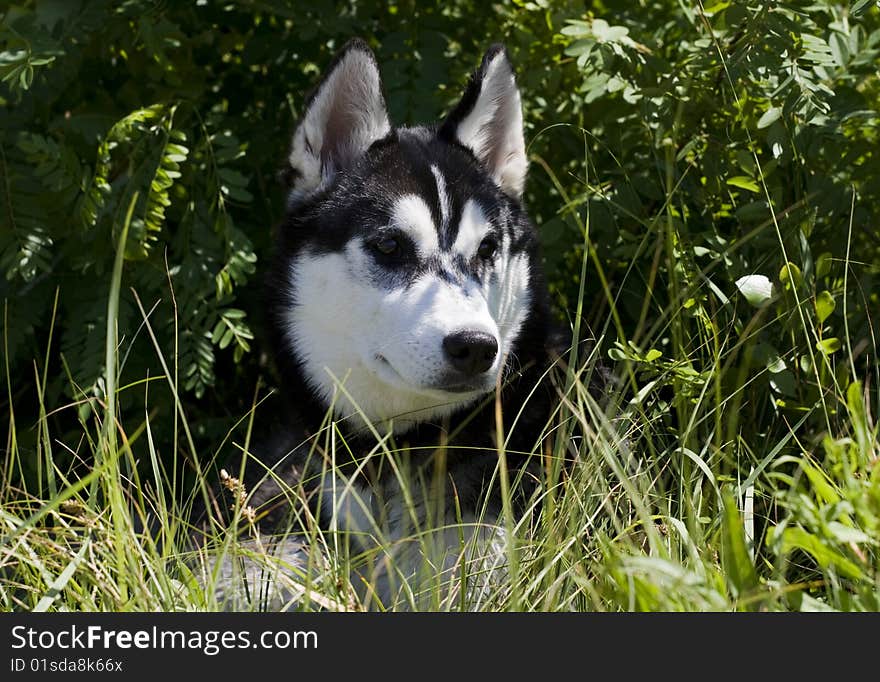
[(343, 117), (488, 120)]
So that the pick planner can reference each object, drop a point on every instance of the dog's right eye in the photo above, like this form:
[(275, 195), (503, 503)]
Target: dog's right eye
[(387, 246)]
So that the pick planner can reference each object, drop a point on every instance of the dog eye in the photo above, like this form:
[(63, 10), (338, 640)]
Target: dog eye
[(387, 246), (487, 248)]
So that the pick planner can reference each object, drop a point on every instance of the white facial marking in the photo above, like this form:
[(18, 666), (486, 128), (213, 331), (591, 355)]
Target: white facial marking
[(411, 215), (442, 196), (508, 296), (472, 227)]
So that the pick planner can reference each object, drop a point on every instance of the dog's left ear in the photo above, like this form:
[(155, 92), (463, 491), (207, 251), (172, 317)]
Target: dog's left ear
[(488, 121)]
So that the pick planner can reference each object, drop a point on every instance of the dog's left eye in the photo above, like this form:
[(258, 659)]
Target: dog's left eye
[(387, 246), (487, 248)]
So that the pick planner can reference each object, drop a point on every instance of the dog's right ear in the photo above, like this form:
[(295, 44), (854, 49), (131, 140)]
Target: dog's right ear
[(343, 117), (488, 120)]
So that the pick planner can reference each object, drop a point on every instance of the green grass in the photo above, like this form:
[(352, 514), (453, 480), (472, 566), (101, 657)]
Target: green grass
[(677, 501)]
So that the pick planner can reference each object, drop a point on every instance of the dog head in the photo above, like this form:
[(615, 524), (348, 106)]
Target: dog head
[(407, 261)]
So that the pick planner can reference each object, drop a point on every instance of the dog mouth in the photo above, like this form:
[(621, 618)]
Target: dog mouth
[(458, 387)]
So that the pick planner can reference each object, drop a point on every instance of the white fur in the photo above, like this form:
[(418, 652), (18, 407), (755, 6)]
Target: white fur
[(342, 342), (442, 197), (411, 215), (264, 574), (416, 561), (472, 227), (507, 293), (349, 507), (385, 347), (494, 127), (345, 117), (406, 555)]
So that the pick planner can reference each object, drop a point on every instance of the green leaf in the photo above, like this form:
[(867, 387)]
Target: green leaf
[(582, 46), (219, 328), (11, 73), (643, 392), (792, 270), (847, 534), (825, 305), (820, 482), (860, 6), (828, 346), (652, 355), (226, 338), (743, 182), (770, 117), (233, 314), (617, 354), (716, 7), (55, 589), (575, 28), (839, 49), (26, 77), (606, 33), (855, 405), (738, 565), (823, 265), (776, 364), (825, 554)]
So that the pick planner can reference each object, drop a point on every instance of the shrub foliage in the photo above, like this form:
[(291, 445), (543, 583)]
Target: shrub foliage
[(706, 177)]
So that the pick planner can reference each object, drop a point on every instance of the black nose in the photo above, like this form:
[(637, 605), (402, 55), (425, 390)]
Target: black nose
[(470, 352)]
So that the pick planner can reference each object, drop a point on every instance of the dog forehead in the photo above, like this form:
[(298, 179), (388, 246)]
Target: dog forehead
[(440, 205), (412, 215), (435, 193)]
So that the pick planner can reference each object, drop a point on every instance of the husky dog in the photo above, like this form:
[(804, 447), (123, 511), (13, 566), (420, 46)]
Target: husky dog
[(406, 301)]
